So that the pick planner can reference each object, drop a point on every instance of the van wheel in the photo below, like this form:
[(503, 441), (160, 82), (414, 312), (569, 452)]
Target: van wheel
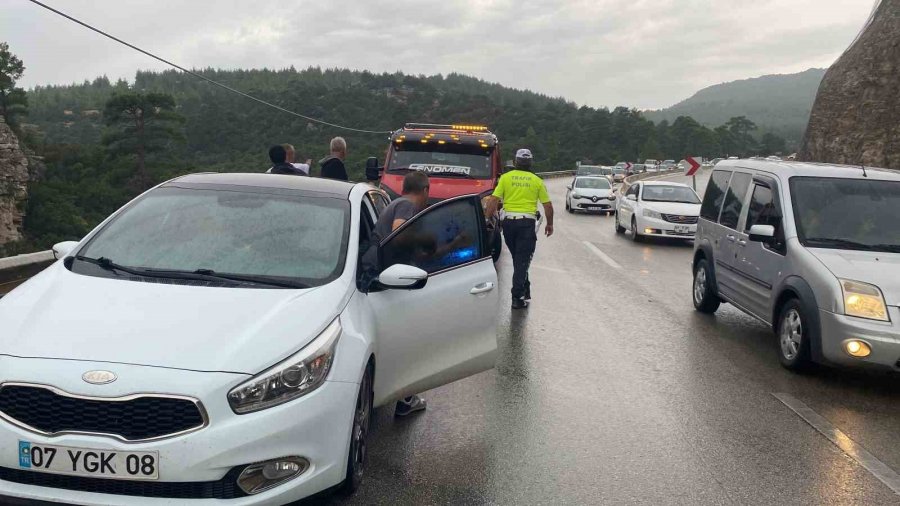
[(705, 300), (793, 337), (359, 435)]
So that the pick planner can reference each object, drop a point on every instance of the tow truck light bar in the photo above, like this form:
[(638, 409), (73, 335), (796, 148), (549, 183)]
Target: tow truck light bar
[(460, 128)]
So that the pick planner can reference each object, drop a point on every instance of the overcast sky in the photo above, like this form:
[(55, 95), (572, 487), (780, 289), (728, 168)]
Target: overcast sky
[(638, 53)]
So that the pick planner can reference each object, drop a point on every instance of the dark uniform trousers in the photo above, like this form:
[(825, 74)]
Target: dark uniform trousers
[(521, 239)]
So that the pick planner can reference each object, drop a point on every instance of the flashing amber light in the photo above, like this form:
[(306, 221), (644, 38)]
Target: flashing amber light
[(442, 142), (470, 128), (424, 141), (398, 141)]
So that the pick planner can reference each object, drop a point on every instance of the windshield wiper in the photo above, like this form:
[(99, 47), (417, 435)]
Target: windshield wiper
[(198, 275), (260, 280), (401, 169), (893, 248), (838, 242)]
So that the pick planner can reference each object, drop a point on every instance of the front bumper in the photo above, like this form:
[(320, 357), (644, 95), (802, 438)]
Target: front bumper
[(316, 427), (882, 337), (662, 228), (590, 205)]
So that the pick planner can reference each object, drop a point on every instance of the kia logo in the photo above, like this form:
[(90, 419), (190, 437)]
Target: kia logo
[(99, 377)]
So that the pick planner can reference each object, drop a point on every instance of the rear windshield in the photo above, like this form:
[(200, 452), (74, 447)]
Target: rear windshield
[(594, 183), (442, 160), (662, 193), (858, 214)]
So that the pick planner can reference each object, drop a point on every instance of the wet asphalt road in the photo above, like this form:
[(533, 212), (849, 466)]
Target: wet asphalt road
[(610, 389)]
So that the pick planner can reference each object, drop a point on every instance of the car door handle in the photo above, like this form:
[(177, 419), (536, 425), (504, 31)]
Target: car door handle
[(485, 287), (731, 238)]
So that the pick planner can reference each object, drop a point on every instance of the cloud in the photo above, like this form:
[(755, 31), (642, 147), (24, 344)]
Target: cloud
[(639, 53)]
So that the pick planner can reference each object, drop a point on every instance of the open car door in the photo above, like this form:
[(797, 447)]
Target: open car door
[(444, 328)]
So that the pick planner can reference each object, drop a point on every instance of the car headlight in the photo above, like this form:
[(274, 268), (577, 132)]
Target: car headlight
[(650, 213), (576, 196), (863, 300), (292, 378)]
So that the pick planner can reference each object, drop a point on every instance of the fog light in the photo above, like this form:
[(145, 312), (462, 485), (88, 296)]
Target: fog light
[(856, 348), (259, 477), (649, 231)]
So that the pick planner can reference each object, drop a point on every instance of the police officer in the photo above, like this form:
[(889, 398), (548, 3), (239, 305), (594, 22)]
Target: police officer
[(521, 190)]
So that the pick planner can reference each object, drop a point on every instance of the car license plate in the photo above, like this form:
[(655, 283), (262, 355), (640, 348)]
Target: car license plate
[(682, 229), (89, 462)]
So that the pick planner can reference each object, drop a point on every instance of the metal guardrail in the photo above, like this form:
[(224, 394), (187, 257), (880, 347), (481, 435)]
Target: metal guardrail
[(559, 173), (15, 270)]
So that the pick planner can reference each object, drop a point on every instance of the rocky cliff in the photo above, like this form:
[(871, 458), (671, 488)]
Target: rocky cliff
[(13, 185), (856, 115)]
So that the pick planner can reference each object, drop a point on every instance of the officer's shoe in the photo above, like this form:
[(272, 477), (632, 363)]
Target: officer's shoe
[(519, 303), (527, 296), (410, 405)]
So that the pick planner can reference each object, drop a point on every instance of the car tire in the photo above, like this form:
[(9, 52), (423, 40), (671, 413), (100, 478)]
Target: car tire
[(359, 434), (497, 246), (569, 207), (635, 236), (704, 296), (793, 336), (619, 228)]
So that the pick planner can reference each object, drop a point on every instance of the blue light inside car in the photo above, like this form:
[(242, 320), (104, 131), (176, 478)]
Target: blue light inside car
[(460, 255)]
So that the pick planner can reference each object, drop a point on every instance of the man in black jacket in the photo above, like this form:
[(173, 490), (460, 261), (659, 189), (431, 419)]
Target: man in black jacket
[(280, 165), (333, 164)]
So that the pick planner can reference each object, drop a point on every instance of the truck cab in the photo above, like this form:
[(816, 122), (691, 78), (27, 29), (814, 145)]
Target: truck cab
[(459, 160)]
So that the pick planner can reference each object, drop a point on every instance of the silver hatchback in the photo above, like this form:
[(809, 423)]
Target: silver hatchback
[(812, 250)]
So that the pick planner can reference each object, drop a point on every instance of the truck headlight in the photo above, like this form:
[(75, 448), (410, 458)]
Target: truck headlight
[(292, 378), (650, 213), (863, 300)]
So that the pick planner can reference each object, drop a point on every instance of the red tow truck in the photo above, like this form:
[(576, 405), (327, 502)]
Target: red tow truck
[(459, 160)]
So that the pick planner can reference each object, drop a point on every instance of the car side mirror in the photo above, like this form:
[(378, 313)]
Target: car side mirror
[(631, 197), (62, 249), (373, 171), (762, 233), (403, 277)]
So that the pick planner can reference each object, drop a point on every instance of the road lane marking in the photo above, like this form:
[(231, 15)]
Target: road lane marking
[(853, 449), (551, 269), (603, 256)]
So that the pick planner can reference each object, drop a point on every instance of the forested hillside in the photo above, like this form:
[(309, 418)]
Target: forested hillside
[(780, 104), (92, 164)]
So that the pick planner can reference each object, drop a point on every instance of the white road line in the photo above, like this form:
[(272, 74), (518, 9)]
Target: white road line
[(603, 256), (853, 449), (551, 269)]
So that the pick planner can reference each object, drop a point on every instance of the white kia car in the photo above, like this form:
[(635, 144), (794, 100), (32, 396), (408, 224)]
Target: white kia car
[(590, 193), (223, 339), (657, 208)]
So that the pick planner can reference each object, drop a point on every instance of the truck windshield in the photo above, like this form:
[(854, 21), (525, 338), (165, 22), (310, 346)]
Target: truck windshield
[(858, 214), (443, 160)]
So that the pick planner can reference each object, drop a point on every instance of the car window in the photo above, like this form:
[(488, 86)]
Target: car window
[(632, 190), (593, 183), (443, 237), (764, 210), (715, 194), (734, 200), (378, 202)]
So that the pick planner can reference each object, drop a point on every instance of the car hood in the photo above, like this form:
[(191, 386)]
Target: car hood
[(590, 192), (59, 314), (877, 268), (673, 208)]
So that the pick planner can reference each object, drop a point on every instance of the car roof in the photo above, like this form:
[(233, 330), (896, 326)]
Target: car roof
[(787, 169), (592, 176), (278, 181)]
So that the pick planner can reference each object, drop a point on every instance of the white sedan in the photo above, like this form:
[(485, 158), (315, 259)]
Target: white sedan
[(590, 193), (656, 208), (223, 338)]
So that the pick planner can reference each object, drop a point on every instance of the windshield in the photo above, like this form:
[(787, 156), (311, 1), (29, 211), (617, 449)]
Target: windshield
[(847, 213), (618, 170), (664, 193), (594, 183), (591, 170), (235, 231), (443, 159)]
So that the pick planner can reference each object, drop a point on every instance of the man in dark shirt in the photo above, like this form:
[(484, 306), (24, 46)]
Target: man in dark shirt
[(278, 155), (414, 200), (333, 164)]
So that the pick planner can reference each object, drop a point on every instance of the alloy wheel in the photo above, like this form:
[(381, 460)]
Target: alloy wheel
[(791, 334), (699, 285), (361, 421)]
